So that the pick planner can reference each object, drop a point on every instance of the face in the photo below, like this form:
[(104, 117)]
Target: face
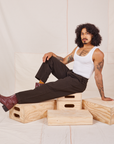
[(86, 37)]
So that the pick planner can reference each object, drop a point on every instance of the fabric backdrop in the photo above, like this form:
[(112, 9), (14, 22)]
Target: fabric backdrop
[(31, 28)]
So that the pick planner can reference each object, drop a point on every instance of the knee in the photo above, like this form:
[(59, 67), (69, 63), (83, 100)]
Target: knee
[(52, 59)]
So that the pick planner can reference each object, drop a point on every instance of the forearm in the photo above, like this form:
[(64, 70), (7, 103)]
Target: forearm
[(59, 58), (99, 83), (69, 58)]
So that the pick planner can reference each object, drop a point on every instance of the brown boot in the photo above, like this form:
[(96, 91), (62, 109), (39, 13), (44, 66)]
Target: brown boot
[(8, 102)]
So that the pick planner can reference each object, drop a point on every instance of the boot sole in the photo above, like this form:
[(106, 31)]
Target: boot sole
[(5, 108)]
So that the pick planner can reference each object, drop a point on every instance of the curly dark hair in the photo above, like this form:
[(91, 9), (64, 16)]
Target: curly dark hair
[(92, 29)]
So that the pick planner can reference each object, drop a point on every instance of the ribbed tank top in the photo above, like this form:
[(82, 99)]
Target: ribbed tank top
[(84, 65)]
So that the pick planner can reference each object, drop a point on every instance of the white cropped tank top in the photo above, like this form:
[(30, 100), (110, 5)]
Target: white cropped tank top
[(83, 65)]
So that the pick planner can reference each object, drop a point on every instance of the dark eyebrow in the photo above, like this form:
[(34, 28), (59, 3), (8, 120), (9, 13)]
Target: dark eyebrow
[(87, 31)]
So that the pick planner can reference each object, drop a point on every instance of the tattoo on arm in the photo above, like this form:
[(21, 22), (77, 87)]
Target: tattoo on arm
[(70, 59), (99, 83), (100, 87), (99, 80), (59, 58), (100, 65)]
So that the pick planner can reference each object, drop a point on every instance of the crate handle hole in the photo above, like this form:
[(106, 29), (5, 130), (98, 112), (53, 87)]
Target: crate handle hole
[(69, 96), (69, 105), (16, 108), (16, 115)]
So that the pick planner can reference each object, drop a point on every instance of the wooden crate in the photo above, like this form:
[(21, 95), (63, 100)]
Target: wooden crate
[(31, 112), (71, 104), (69, 117), (102, 111), (76, 96)]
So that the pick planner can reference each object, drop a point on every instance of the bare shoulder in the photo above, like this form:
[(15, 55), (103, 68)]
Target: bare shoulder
[(74, 50), (98, 61), (98, 55)]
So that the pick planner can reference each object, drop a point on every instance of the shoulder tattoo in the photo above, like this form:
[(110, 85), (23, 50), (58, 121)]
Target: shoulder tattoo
[(100, 65)]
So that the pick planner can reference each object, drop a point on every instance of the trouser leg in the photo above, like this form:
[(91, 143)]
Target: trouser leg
[(71, 84), (54, 66)]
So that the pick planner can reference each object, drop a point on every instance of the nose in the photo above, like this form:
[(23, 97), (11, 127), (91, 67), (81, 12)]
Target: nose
[(85, 35)]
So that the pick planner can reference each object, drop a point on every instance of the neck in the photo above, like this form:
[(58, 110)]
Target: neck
[(88, 45)]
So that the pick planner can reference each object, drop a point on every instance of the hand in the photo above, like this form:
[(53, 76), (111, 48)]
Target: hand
[(47, 56), (107, 99)]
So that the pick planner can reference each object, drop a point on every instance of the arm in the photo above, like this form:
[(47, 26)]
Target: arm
[(98, 63), (69, 58)]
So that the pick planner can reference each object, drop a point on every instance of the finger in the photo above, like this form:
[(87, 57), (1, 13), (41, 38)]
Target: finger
[(111, 99), (48, 57), (108, 99), (44, 58)]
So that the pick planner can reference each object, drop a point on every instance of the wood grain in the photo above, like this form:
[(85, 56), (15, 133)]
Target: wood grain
[(71, 104), (69, 117), (31, 112), (102, 111), (76, 96)]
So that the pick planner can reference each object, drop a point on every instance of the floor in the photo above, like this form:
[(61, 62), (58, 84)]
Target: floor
[(38, 132)]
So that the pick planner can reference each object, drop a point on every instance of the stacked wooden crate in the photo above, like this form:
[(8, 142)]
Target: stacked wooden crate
[(102, 111), (66, 110), (29, 112), (69, 111)]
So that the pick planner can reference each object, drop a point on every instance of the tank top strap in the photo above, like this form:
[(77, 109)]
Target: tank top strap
[(77, 49), (92, 51)]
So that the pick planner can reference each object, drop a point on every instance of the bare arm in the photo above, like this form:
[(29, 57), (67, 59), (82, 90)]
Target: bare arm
[(69, 58), (98, 63)]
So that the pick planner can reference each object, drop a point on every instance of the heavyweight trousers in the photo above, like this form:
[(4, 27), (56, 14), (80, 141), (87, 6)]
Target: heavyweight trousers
[(68, 83)]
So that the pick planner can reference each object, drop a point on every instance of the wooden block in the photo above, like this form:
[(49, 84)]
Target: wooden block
[(71, 104), (69, 117), (31, 112), (76, 96), (102, 111)]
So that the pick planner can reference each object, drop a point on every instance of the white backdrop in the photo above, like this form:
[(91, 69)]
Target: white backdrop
[(30, 28)]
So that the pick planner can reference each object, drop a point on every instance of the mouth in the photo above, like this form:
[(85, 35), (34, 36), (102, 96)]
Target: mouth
[(84, 39)]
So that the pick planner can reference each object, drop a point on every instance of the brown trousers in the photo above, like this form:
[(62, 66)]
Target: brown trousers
[(68, 83)]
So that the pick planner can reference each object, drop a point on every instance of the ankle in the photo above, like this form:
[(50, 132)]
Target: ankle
[(41, 82)]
